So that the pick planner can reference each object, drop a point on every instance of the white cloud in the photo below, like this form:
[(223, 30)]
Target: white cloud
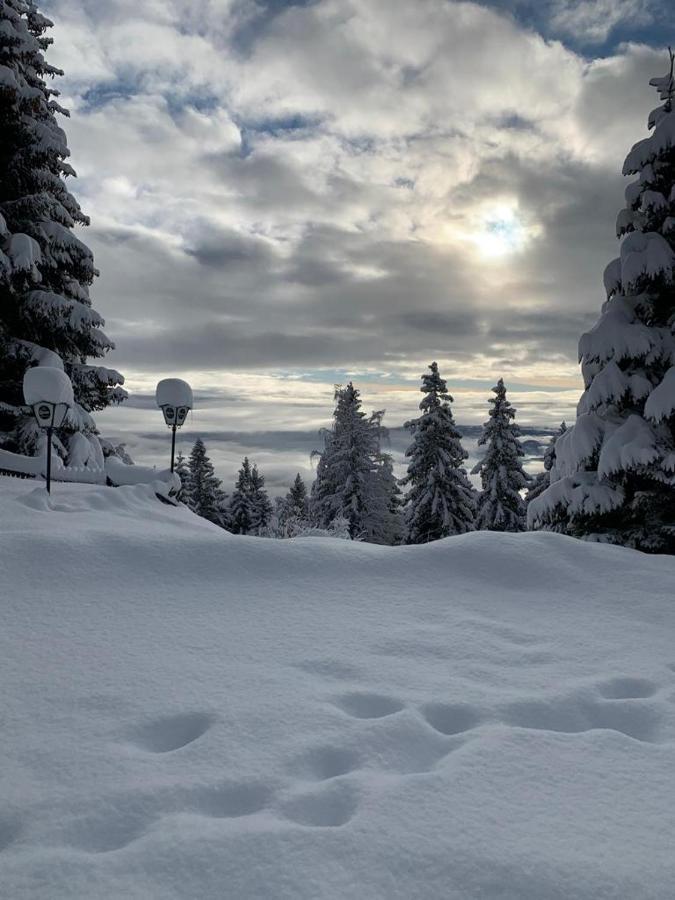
[(591, 21)]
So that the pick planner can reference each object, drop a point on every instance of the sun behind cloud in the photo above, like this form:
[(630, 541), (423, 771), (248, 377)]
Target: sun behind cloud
[(500, 233)]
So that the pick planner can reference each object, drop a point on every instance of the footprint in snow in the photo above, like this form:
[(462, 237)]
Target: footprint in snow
[(574, 715), (122, 820), (329, 807), (324, 763), (170, 733), (106, 832), (231, 800), (451, 718), (628, 688), (362, 705)]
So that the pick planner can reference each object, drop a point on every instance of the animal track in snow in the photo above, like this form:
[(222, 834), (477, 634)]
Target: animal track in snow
[(404, 746), (125, 819), (330, 807), (451, 718), (628, 688), (368, 706), (107, 833), (231, 800), (573, 716), (171, 732), (323, 763)]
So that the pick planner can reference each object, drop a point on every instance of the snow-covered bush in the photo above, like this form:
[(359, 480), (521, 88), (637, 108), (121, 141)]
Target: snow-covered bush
[(338, 528)]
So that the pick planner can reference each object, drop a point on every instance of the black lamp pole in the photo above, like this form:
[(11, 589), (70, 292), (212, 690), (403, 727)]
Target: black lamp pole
[(173, 444), (49, 459)]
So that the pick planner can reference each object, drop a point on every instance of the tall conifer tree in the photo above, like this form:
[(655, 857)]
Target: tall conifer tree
[(614, 473), (204, 495), (261, 508), (183, 471), (391, 526), (241, 512), (46, 316), (441, 500), (297, 502), (500, 504), (346, 478)]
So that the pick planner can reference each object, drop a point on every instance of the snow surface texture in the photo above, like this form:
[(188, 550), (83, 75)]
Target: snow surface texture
[(188, 713)]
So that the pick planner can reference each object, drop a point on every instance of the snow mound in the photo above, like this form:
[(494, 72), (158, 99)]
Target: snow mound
[(188, 713)]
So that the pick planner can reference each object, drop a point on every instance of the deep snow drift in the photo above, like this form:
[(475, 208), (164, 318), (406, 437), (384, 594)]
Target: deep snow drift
[(188, 714)]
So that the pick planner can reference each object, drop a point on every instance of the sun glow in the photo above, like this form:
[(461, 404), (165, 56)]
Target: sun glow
[(500, 233)]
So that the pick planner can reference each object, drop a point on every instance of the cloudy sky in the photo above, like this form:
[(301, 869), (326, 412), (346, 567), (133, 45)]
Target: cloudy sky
[(285, 195)]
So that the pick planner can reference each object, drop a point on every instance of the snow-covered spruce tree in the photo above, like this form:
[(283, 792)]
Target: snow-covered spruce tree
[(500, 505), (204, 495), (240, 511), (541, 480), (441, 500), (182, 469), (346, 483), (297, 502), (392, 527), (46, 317), (614, 473), (292, 511), (261, 508)]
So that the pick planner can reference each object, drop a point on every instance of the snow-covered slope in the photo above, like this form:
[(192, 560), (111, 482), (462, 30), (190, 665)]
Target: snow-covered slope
[(188, 714)]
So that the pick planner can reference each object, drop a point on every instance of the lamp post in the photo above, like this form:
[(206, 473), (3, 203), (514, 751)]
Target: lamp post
[(49, 393), (174, 398)]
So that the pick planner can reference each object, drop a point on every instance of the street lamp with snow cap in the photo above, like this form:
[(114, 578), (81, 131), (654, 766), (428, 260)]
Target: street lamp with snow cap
[(174, 398), (49, 393)]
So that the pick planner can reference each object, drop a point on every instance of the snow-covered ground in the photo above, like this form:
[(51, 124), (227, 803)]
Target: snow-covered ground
[(188, 714)]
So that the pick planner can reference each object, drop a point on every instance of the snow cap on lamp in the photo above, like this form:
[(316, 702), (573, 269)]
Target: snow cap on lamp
[(49, 392), (174, 398)]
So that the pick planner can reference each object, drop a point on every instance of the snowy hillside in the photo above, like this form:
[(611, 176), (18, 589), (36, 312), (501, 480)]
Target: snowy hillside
[(189, 714)]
